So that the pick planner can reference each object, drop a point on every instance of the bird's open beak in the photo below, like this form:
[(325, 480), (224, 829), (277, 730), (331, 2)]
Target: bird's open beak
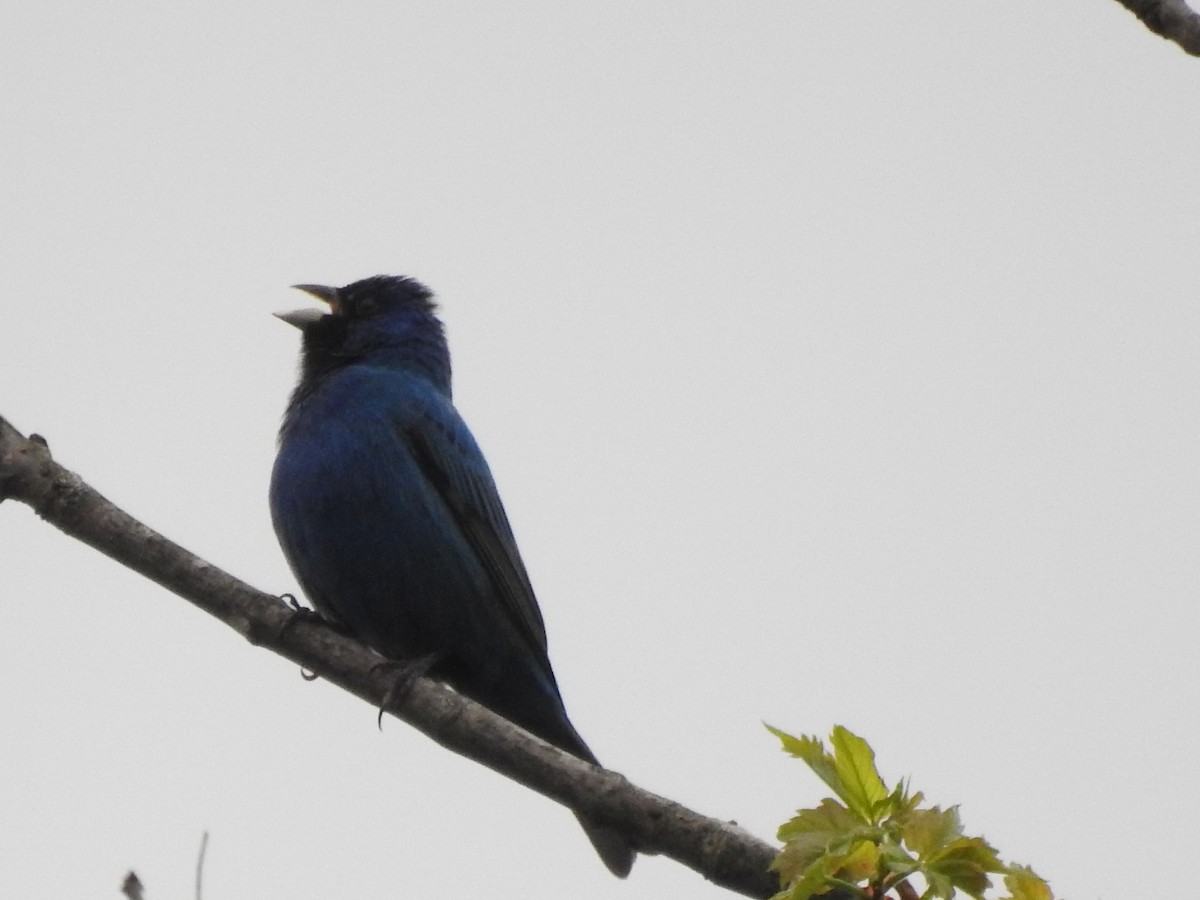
[(303, 317)]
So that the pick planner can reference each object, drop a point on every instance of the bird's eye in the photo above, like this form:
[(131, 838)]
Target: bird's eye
[(362, 306)]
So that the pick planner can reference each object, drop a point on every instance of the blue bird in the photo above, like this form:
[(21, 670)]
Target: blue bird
[(388, 515)]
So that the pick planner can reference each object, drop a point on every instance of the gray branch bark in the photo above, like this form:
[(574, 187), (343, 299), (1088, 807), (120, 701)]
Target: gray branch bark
[(1171, 19), (720, 851)]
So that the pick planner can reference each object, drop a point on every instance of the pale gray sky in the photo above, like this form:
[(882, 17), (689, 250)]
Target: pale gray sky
[(837, 364)]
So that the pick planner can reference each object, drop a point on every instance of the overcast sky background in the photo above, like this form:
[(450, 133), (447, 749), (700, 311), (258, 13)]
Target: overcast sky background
[(836, 362)]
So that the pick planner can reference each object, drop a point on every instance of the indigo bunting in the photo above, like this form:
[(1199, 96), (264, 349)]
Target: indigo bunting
[(388, 515)]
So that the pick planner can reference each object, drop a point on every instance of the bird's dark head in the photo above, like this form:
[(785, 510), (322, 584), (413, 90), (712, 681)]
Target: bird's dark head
[(387, 321)]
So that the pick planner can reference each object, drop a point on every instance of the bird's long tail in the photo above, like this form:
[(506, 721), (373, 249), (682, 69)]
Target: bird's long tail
[(548, 720), (614, 850)]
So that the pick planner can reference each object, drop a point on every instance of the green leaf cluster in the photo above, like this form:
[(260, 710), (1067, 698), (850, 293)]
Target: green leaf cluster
[(869, 840)]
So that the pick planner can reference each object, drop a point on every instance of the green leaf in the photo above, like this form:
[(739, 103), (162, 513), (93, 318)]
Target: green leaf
[(812, 834), (1024, 884), (926, 831), (860, 864), (812, 751), (813, 880), (824, 843), (793, 863), (964, 863), (894, 863), (789, 742), (829, 818), (899, 805), (856, 864), (854, 761)]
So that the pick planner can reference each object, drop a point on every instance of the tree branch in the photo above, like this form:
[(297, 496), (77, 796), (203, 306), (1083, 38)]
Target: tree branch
[(721, 851), (1171, 19)]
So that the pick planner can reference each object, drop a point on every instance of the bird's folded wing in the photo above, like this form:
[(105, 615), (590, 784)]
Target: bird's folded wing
[(449, 459)]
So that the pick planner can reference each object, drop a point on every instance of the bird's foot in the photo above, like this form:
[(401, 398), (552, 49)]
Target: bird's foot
[(299, 613), (404, 674)]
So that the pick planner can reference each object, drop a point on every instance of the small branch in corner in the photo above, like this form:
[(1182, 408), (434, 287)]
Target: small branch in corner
[(200, 866), (1170, 19)]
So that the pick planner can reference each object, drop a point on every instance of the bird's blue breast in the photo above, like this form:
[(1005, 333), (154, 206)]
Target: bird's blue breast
[(367, 534)]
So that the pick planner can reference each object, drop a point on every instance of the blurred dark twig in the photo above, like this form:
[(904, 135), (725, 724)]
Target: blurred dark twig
[(200, 867), (1170, 19), (131, 887)]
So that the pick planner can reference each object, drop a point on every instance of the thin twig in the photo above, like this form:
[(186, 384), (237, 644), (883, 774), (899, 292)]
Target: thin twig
[(200, 866)]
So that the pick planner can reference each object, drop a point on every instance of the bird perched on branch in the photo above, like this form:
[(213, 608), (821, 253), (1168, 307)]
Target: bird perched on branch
[(388, 515)]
